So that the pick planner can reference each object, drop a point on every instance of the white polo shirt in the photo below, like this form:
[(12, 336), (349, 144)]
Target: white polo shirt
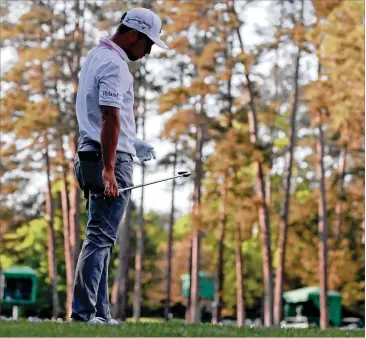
[(105, 79)]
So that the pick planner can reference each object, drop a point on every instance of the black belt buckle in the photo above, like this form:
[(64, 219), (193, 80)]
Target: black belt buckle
[(90, 156)]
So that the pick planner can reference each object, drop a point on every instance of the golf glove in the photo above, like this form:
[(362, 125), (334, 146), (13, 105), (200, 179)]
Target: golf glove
[(144, 151)]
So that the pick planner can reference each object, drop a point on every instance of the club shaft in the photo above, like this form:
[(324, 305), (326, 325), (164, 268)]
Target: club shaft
[(143, 185)]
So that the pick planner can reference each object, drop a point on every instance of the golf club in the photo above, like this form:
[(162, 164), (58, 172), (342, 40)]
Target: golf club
[(180, 174)]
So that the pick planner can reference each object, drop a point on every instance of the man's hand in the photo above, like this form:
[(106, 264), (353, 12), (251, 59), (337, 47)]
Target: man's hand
[(110, 183), (144, 151)]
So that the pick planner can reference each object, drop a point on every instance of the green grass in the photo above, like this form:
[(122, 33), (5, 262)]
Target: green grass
[(23, 328)]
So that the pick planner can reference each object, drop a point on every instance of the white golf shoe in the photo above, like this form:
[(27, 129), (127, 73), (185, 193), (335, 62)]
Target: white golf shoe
[(100, 320), (97, 320)]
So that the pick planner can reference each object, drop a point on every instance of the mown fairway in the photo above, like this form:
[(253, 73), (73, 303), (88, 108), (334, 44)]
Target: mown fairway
[(47, 329)]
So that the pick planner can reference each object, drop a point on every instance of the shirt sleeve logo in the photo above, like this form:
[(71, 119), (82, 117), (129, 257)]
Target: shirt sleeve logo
[(109, 94)]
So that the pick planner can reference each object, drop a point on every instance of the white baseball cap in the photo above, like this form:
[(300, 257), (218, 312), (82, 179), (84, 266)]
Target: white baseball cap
[(145, 21)]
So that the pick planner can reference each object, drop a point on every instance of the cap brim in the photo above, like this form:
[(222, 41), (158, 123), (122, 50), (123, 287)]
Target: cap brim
[(159, 42)]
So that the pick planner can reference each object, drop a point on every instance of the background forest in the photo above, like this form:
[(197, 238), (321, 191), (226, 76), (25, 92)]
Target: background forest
[(262, 100)]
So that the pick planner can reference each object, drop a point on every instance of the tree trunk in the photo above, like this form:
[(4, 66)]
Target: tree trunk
[(51, 247), (194, 311), (266, 247), (264, 220), (264, 224), (282, 241), (216, 317), (170, 241), (140, 236), (323, 228), (119, 297), (188, 308), (66, 229), (74, 62), (74, 211), (240, 305), (341, 192)]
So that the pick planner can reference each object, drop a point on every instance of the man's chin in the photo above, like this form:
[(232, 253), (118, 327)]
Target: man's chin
[(131, 57), (135, 58)]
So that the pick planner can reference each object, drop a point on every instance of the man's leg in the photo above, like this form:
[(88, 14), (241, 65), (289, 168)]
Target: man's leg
[(91, 277), (102, 305), (88, 273)]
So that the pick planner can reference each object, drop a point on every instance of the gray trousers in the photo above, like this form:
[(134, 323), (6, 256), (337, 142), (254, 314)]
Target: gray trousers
[(90, 295)]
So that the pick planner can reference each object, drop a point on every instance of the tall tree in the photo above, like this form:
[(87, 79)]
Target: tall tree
[(263, 211), (168, 277), (51, 249), (322, 108), (216, 317), (240, 301), (188, 103), (30, 77), (73, 57), (140, 231), (196, 213), (323, 227), (341, 190), (119, 296), (282, 241)]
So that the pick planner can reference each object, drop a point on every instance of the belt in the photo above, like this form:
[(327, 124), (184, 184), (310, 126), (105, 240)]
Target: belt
[(90, 156), (95, 156)]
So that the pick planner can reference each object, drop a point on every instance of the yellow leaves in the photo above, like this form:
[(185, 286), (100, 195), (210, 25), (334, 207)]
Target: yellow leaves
[(340, 43), (116, 6), (24, 117), (36, 53), (6, 151), (174, 97), (179, 123), (179, 44), (207, 59), (224, 75), (199, 87), (181, 15), (298, 34), (37, 15), (54, 70), (324, 8), (180, 24), (7, 31), (4, 11), (247, 60), (14, 100), (8, 188)]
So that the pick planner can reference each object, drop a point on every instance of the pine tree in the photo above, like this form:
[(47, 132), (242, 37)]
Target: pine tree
[(282, 242), (264, 219), (31, 75)]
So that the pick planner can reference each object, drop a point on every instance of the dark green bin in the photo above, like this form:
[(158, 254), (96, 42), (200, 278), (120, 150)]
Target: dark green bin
[(206, 285), (19, 285)]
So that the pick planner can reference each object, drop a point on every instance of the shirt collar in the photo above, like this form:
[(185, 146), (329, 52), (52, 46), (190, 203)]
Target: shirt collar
[(110, 44)]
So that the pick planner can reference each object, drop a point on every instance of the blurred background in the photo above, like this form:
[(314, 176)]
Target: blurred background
[(262, 100)]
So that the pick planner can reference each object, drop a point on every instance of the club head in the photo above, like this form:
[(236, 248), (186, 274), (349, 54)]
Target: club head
[(184, 173)]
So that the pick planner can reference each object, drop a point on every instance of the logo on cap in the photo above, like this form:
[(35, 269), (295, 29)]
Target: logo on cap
[(143, 23)]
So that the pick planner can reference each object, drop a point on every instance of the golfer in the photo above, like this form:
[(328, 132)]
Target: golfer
[(107, 145)]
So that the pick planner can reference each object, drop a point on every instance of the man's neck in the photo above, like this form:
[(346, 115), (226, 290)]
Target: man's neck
[(117, 39), (121, 42)]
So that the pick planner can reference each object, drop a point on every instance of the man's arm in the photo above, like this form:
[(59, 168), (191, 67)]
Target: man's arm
[(109, 140)]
